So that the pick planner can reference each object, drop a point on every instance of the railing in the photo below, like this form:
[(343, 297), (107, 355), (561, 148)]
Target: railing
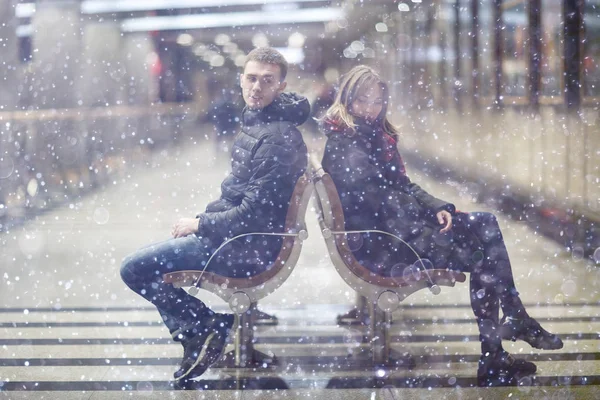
[(50, 156)]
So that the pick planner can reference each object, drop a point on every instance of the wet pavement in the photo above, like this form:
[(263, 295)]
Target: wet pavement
[(69, 328)]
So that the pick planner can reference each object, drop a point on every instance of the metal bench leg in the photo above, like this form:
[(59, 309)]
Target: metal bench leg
[(244, 355), (379, 329)]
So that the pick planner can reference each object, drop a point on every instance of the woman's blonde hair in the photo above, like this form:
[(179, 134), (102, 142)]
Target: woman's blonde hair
[(350, 86)]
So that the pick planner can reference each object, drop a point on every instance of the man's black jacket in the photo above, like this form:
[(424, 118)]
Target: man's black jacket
[(268, 157)]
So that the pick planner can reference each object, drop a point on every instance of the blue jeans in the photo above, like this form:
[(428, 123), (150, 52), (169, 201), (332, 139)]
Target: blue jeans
[(142, 272)]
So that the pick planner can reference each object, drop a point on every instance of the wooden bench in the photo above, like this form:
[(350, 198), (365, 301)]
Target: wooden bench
[(242, 293), (383, 294)]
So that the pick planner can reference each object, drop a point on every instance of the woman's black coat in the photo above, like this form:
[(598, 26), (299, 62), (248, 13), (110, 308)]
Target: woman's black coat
[(375, 192)]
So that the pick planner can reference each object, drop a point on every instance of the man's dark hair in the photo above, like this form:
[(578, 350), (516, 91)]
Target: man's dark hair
[(268, 55)]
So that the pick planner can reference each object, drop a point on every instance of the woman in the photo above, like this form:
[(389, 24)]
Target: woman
[(363, 160)]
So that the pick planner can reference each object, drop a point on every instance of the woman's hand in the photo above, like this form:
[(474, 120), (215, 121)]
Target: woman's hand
[(184, 227), (444, 218)]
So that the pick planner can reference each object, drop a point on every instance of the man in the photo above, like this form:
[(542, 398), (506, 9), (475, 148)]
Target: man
[(268, 157)]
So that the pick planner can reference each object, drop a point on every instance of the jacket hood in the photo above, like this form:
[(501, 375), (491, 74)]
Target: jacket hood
[(290, 107)]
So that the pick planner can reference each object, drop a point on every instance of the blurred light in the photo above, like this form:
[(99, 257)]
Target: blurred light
[(596, 255), (416, 1), (403, 7), (185, 39), (240, 60), (381, 27), (153, 64), (24, 30), (24, 10), (111, 6), (357, 46), (342, 23), (208, 55), (151, 58), (27, 10), (280, 7), (7, 167), (260, 40), (217, 60), (32, 187), (222, 39), (331, 27), (296, 39), (434, 54), (331, 75), (349, 53), (198, 21), (101, 215), (199, 49), (291, 55), (230, 48), (368, 53)]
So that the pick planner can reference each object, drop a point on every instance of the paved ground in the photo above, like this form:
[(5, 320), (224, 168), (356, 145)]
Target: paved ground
[(69, 328)]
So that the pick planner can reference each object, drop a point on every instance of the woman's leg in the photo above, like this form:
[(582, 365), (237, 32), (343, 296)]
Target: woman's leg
[(496, 266), (486, 307), (143, 270), (460, 249), (494, 274), (473, 253), (480, 247)]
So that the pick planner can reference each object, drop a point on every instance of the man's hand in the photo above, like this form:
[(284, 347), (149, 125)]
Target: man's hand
[(184, 227), (444, 218)]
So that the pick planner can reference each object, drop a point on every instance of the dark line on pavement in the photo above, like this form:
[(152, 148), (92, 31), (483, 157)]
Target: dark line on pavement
[(408, 321), (276, 383), (291, 340), (324, 362)]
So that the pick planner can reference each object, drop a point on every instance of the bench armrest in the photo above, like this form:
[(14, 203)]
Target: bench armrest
[(301, 234)]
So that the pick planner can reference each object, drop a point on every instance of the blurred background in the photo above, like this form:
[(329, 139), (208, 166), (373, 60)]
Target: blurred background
[(499, 95), (117, 117)]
